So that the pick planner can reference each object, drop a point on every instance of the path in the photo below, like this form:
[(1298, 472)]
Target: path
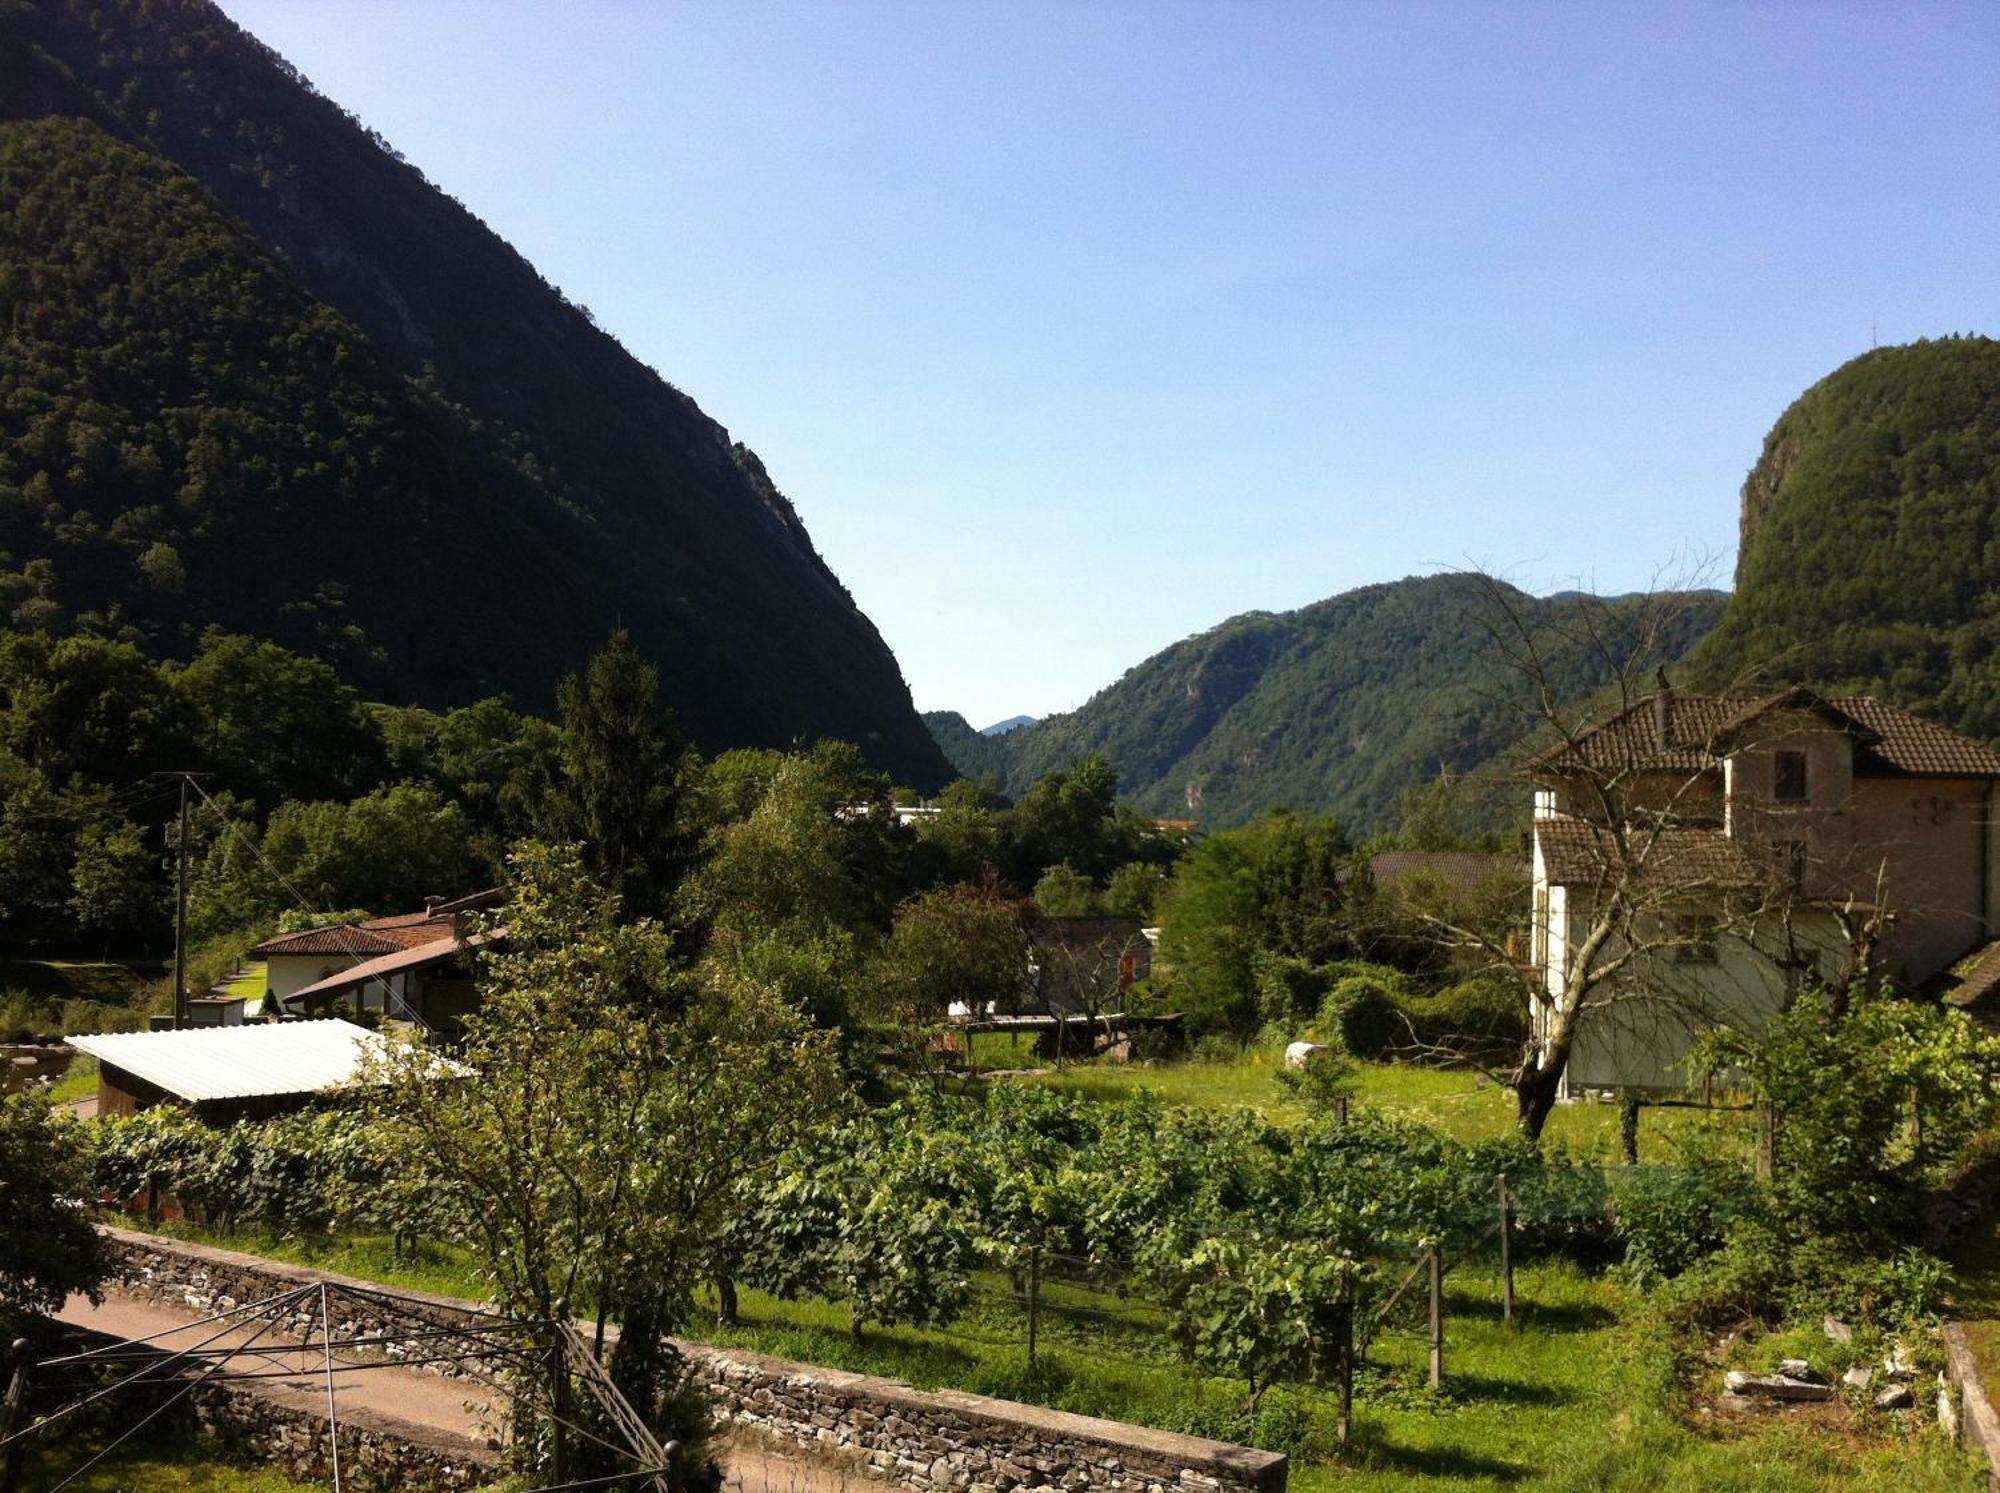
[(432, 1403)]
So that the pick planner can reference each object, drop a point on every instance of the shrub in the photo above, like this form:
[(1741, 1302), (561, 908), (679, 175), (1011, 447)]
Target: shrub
[(1289, 991), (1480, 1013), (1673, 1218), (1361, 1013)]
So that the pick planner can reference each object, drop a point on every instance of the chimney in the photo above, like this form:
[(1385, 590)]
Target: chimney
[(1663, 710)]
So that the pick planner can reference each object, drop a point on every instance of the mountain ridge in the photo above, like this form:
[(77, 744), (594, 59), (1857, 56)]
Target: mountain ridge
[(687, 539), (1337, 707)]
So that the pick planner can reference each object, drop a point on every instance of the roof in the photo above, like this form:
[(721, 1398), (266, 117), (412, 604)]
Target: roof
[(1975, 979), (1576, 852), (1671, 732), (1462, 870), (241, 1062), (358, 942), (433, 952)]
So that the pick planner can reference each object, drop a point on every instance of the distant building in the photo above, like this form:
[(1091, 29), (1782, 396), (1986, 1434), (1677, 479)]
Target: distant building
[(409, 967), (1462, 872)]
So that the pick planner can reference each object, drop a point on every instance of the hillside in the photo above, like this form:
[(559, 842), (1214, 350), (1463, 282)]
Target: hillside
[(1870, 550), (1336, 708), (483, 483)]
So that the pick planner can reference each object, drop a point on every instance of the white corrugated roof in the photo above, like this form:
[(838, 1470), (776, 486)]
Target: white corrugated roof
[(240, 1062)]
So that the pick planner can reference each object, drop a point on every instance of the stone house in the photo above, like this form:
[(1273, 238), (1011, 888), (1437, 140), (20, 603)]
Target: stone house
[(1779, 834)]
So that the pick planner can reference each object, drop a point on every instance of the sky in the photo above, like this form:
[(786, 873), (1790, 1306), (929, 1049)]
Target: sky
[(1073, 329)]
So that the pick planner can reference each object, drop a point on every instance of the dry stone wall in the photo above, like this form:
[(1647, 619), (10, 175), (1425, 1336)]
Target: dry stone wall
[(938, 1440)]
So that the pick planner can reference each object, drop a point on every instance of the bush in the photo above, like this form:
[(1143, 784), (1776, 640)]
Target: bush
[(1674, 1218), (1362, 1015), (1290, 991), (1480, 1013)]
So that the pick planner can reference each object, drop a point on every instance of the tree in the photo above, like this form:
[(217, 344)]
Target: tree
[(614, 1107), (1065, 892), (276, 725), (387, 850), (1133, 890), (49, 1248), (624, 786), (964, 944)]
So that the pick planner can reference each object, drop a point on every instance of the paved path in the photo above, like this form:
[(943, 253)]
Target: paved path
[(429, 1402)]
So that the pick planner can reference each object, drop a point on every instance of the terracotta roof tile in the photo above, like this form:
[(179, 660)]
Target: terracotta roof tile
[(359, 942), (1579, 853), (1888, 740)]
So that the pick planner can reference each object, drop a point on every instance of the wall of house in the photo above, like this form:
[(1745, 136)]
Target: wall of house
[(1638, 1034), (285, 973), (1935, 845)]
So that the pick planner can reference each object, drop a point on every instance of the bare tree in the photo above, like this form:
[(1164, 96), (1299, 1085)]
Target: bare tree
[(1658, 907)]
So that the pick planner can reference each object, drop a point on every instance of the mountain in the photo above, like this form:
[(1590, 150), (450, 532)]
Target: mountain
[(260, 372), (1870, 545), (1012, 723), (1335, 708)]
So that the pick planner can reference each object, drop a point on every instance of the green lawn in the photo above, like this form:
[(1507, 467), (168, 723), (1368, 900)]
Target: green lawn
[(249, 984), (1453, 1100), (112, 983), (79, 1080)]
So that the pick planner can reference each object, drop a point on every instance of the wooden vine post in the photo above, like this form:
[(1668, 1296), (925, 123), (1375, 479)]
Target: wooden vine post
[(1344, 1348), (1506, 1253), (1437, 1316)]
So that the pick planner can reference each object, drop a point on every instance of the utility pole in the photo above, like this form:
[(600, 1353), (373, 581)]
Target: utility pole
[(186, 780), (181, 917)]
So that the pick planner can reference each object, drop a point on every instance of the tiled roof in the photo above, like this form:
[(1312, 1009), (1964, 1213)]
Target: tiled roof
[(1975, 982), (361, 943), (1697, 729), (435, 951), (1908, 743), (1463, 870), (1576, 852)]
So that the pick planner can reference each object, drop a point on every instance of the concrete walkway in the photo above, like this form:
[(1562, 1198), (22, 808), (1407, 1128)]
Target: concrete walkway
[(434, 1405)]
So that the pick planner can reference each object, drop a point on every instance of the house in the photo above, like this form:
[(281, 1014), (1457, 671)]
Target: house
[(410, 967), (295, 960), (225, 1073), (1089, 963), (1764, 842)]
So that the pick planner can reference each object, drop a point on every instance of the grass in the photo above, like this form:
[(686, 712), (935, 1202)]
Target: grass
[(79, 1080), (1454, 1100), (249, 984), (110, 982), (155, 1467)]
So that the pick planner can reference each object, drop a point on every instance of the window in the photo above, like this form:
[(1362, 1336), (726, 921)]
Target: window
[(1788, 777)]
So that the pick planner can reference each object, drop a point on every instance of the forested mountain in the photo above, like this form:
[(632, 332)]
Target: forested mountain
[(1870, 556), (365, 426), (1335, 708)]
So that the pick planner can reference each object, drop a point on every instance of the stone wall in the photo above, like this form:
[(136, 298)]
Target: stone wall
[(937, 1440), (943, 1440)]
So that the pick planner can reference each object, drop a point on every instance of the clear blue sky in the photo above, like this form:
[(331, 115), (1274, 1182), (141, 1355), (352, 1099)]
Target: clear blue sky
[(1073, 328)]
